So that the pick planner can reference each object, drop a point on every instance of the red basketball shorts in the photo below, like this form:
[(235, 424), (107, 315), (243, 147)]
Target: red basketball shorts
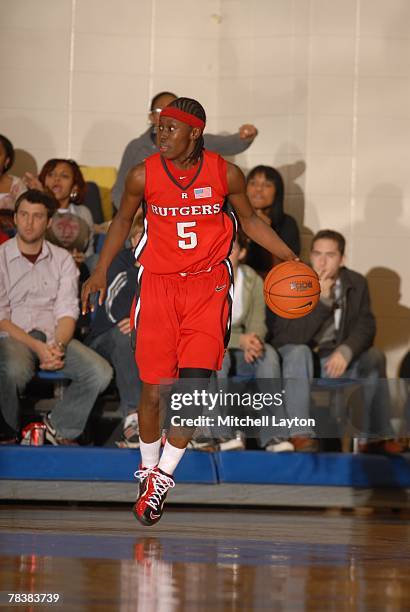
[(182, 321)]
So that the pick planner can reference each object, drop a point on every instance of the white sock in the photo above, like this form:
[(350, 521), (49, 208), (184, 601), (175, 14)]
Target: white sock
[(150, 453), (171, 456)]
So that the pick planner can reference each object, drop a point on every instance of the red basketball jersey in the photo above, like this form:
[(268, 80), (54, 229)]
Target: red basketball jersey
[(186, 228)]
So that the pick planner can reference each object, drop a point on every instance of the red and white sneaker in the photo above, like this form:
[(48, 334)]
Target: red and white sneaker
[(153, 489)]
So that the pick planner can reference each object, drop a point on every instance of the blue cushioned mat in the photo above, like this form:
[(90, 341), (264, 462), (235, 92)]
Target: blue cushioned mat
[(93, 464), (320, 469), (247, 467)]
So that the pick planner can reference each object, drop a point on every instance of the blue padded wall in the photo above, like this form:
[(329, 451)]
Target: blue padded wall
[(101, 464), (247, 467), (320, 469)]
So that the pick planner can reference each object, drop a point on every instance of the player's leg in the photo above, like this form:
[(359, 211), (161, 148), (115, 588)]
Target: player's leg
[(150, 424), (154, 483), (190, 380), (157, 477), (156, 357)]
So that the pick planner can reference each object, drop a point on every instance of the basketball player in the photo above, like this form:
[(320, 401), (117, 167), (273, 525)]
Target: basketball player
[(184, 293)]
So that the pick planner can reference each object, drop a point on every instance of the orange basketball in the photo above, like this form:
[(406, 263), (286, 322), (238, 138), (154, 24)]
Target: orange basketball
[(291, 289)]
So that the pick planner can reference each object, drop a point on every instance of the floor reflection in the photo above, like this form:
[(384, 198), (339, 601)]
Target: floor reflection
[(169, 573)]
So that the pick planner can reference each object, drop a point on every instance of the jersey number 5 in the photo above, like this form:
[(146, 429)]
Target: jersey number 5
[(189, 239)]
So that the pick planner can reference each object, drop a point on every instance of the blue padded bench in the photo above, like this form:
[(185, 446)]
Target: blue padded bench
[(93, 464), (57, 378), (317, 469)]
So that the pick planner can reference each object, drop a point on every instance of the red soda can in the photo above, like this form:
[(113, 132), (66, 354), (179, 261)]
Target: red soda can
[(33, 434)]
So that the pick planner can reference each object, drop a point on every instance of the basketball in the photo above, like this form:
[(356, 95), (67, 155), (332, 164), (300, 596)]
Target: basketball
[(291, 289)]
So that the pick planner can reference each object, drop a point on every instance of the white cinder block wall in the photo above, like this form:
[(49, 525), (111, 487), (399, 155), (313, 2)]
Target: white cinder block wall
[(326, 82)]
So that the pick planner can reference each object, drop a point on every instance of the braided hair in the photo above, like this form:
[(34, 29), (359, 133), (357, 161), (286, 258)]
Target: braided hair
[(188, 105)]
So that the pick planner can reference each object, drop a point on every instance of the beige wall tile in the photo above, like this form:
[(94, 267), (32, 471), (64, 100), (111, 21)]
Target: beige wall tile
[(301, 52), (376, 251), (32, 129), (38, 15), (327, 212), (273, 56), (174, 57), (105, 132), (333, 18), (384, 57), (272, 95), (280, 21), (235, 94), (383, 212), (384, 97), (386, 136), (300, 17), (332, 55), (236, 21), (273, 134), (328, 175), (388, 19), (97, 158), (187, 19), (109, 93), (35, 90), (378, 168), (330, 95), (35, 50), (299, 98), (297, 136), (235, 57), (117, 54), (332, 135), (107, 17)]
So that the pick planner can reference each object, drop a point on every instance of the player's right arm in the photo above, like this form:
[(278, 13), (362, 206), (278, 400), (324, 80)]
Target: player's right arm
[(116, 236)]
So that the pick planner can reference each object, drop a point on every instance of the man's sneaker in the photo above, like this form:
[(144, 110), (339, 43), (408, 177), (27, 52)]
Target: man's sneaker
[(236, 443), (130, 434), (153, 489), (279, 445), (52, 435)]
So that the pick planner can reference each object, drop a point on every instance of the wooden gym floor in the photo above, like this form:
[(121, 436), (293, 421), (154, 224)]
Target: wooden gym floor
[(100, 558)]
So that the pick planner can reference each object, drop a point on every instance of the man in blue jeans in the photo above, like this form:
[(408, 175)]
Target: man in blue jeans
[(340, 334), (38, 311), (111, 335)]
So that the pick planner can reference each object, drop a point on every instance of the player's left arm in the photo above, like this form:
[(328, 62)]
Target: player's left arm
[(252, 225)]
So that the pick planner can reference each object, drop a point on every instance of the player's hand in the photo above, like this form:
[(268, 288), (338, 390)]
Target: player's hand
[(248, 131), (124, 326), (97, 283), (284, 253), (336, 365)]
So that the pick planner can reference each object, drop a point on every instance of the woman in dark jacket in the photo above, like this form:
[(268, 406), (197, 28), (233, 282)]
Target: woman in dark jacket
[(265, 190)]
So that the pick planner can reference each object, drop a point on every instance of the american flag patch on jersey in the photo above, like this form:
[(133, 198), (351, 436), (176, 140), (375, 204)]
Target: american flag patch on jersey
[(202, 192)]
